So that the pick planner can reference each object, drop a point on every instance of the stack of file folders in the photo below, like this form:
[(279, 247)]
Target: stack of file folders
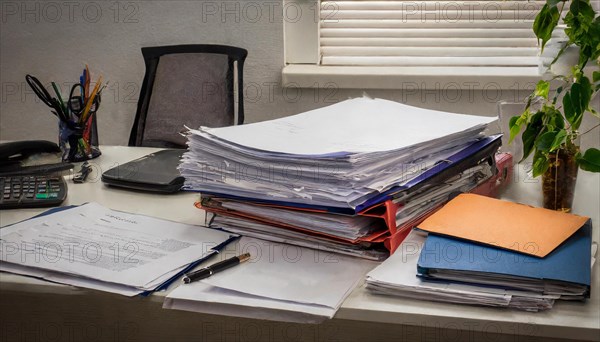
[(349, 178), (483, 251)]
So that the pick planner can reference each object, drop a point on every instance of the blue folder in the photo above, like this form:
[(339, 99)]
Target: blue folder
[(569, 263)]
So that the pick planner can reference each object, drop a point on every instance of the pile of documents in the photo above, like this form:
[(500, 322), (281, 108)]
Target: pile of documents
[(483, 251), (94, 247), (280, 282), (350, 177)]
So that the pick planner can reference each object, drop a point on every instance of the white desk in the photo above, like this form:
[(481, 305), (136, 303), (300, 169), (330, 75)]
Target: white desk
[(177, 207), (31, 309)]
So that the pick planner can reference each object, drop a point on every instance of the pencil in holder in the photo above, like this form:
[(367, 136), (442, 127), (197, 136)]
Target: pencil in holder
[(79, 141)]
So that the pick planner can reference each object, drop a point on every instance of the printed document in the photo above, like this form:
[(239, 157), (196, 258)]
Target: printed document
[(105, 245)]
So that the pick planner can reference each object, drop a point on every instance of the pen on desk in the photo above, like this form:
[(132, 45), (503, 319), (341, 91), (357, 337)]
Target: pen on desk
[(214, 268)]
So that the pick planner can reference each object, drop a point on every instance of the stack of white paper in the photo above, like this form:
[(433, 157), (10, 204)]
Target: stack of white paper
[(334, 232), (397, 276), (343, 226), (434, 195), (272, 233), (280, 282), (95, 247), (335, 156)]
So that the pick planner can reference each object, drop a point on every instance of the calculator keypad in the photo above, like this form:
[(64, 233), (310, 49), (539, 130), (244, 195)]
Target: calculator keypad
[(32, 191)]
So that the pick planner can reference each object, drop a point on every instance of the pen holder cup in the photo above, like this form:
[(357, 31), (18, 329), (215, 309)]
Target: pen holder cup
[(79, 141)]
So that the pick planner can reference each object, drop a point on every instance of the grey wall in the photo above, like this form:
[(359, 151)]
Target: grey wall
[(53, 41)]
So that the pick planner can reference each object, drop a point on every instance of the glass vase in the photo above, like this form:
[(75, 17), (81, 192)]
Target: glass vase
[(558, 182)]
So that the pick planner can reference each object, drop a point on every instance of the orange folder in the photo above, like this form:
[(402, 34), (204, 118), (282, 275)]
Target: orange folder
[(509, 225)]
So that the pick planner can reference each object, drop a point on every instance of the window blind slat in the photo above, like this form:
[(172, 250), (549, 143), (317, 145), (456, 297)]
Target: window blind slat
[(444, 14), (390, 23), (429, 61), (432, 4), (417, 33), (450, 41), (428, 51)]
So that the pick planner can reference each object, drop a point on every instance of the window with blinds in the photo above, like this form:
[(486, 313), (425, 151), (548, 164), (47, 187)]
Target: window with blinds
[(464, 33)]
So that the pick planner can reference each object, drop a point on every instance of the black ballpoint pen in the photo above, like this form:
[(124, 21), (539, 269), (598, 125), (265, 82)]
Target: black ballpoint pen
[(214, 268)]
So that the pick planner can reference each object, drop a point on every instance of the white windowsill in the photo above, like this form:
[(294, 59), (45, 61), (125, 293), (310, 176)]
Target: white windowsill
[(410, 78)]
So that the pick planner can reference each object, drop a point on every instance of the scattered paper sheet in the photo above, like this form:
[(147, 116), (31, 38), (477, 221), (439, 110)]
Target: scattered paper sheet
[(196, 296), (106, 246), (281, 278)]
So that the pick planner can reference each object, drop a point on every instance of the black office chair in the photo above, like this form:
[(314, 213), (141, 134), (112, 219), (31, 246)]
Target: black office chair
[(187, 85)]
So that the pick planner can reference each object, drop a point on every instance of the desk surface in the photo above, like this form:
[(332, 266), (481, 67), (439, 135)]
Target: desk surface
[(565, 320)]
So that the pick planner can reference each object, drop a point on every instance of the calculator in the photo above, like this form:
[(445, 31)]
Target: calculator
[(32, 191)]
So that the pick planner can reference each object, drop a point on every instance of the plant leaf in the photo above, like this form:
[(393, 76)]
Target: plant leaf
[(568, 107), (544, 142), (554, 118), (533, 129), (514, 127), (594, 35), (557, 121), (596, 77), (540, 164), (590, 161), (542, 89), (577, 100), (582, 29), (559, 139), (586, 93), (545, 22)]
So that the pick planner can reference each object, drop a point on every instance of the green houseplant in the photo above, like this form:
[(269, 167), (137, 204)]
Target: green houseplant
[(551, 130)]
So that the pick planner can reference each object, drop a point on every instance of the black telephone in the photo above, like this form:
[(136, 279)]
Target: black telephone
[(18, 150), (13, 153), (34, 185)]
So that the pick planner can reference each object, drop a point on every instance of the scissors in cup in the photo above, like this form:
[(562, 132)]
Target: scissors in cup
[(43, 94)]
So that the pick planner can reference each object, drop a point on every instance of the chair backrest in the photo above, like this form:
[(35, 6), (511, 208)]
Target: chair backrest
[(187, 85)]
